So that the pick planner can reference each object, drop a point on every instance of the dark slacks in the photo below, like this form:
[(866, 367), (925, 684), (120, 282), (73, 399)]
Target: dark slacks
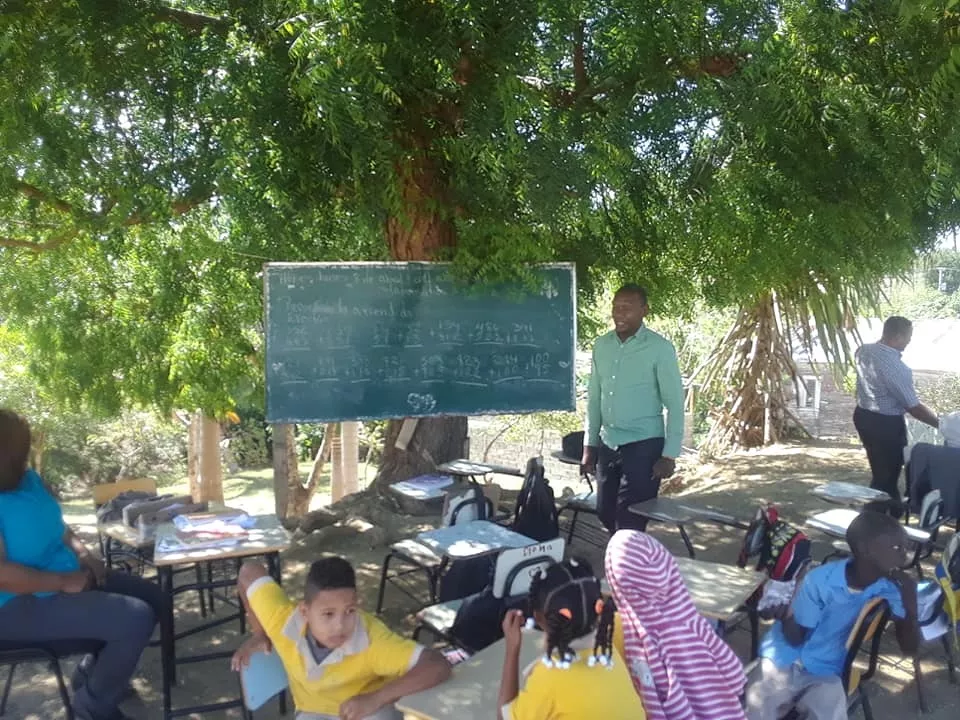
[(624, 478), (121, 615), (884, 437)]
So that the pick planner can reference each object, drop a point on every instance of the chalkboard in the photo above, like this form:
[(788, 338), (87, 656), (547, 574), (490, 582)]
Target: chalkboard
[(362, 341)]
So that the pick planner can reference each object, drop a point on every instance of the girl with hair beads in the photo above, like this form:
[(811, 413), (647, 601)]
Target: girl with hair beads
[(679, 665), (580, 674)]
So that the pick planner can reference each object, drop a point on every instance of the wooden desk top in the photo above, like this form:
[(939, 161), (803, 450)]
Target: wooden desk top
[(684, 510), (266, 537), (718, 591), (464, 468), (473, 690), (472, 539), (851, 494)]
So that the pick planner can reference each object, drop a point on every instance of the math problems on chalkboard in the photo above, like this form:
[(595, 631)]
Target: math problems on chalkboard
[(354, 341)]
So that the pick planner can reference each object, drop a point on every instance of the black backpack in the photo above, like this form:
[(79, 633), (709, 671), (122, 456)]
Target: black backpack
[(535, 514)]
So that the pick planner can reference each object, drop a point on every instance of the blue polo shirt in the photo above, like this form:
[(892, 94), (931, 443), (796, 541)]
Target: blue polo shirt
[(828, 608), (32, 529)]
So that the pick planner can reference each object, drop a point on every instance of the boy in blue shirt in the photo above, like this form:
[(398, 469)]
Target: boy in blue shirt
[(804, 652)]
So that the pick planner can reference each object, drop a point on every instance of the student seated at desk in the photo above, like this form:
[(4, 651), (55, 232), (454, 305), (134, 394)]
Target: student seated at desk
[(340, 661), (680, 667), (804, 652), (579, 676)]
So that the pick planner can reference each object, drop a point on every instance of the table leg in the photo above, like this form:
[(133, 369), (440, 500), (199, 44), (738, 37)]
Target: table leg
[(276, 572), (753, 615), (108, 552), (686, 540), (168, 659)]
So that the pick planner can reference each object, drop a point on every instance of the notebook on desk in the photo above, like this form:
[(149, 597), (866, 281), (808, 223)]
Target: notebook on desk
[(262, 679)]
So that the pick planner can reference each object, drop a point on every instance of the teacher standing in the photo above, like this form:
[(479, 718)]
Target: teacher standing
[(634, 377), (885, 393)]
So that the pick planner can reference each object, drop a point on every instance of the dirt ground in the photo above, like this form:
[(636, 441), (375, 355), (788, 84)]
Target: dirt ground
[(737, 484)]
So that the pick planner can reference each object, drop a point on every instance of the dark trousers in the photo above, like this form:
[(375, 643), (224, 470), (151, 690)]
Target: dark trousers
[(121, 615), (624, 478), (884, 437)]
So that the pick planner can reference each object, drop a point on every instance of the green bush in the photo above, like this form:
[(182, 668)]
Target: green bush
[(84, 450)]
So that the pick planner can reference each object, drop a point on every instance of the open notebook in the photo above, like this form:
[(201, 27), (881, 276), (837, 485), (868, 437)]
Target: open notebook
[(262, 679)]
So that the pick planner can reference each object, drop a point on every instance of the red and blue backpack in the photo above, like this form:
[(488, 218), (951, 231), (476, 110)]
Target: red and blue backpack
[(781, 549)]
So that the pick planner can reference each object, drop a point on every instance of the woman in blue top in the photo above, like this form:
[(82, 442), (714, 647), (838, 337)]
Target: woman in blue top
[(53, 590)]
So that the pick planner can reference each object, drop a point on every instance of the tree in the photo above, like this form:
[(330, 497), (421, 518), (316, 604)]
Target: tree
[(721, 149)]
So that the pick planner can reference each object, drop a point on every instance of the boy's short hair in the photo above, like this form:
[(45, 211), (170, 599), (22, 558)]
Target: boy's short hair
[(867, 527), (329, 573)]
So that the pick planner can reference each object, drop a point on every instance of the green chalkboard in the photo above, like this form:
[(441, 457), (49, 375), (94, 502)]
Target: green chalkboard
[(361, 341)]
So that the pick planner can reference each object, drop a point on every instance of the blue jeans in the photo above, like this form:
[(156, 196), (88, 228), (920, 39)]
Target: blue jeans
[(121, 615), (624, 478)]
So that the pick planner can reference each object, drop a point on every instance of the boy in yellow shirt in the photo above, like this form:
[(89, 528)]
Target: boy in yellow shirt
[(340, 661)]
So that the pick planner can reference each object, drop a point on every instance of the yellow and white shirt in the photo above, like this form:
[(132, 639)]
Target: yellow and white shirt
[(372, 657), (577, 692)]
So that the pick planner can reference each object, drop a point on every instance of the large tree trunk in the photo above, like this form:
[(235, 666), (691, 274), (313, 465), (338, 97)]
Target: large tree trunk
[(301, 494), (38, 445), (193, 453), (286, 470), (350, 456), (424, 231), (211, 470)]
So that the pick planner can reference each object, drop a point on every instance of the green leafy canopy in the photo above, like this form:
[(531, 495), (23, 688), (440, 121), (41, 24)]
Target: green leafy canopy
[(154, 154)]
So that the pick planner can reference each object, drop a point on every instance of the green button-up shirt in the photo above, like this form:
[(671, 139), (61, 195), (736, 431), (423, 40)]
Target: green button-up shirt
[(631, 382)]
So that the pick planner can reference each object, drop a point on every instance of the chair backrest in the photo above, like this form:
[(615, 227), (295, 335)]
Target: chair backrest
[(262, 679), (932, 512), (516, 568), (866, 633), (106, 492), (467, 505)]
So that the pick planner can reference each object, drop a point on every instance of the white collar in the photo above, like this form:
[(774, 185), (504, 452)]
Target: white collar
[(296, 630)]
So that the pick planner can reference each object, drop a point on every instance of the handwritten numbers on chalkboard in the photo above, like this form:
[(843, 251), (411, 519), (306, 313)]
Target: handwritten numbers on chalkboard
[(380, 340), (421, 404)]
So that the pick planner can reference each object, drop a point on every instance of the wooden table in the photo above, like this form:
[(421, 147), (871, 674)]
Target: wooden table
[(474, 689), (471, 469), (718, 591), (267, 538), (849, 494), (681, 512), (472, 539)]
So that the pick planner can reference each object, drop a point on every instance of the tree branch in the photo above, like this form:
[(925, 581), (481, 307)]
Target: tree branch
[(35, 193), (580, 81), (565, 97), (177, 208), (37, 247), (194, 22)]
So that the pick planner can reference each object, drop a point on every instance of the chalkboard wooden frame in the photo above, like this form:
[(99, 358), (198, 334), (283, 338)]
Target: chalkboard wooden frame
[(418, 404)]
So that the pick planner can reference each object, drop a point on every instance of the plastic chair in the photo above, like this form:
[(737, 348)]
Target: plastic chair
[(14, 654)]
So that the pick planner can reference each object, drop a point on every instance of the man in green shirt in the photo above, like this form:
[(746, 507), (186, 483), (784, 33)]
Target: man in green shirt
[(634, 376)]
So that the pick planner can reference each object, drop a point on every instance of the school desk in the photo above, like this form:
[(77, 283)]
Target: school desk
[(682, 512), (849, 494), (472, 692), (719, 593), (266, 539)]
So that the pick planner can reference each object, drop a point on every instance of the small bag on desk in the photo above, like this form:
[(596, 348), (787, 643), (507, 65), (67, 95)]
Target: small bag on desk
[(144, 507), (148, 522)]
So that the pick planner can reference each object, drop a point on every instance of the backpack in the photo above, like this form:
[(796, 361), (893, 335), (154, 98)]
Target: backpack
[(535, 514), (781, 549)]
